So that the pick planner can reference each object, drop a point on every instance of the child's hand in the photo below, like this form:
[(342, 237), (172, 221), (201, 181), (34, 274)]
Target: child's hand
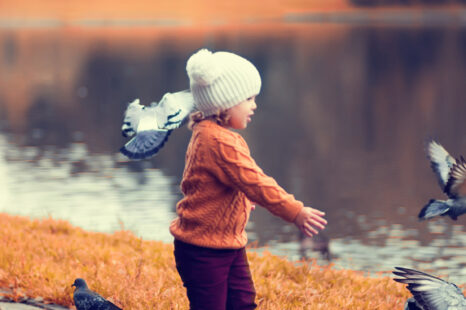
[(309, 219)]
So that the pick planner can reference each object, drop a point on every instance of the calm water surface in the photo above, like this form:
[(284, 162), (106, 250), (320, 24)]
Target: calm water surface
[(342, 123)]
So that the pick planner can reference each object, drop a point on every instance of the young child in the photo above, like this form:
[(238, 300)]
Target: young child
[(220, 181)]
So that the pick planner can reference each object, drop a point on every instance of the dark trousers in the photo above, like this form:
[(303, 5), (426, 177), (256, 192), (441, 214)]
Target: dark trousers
[(215, 279)]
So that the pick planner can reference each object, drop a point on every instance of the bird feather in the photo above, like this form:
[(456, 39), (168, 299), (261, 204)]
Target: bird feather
[(430, 292)]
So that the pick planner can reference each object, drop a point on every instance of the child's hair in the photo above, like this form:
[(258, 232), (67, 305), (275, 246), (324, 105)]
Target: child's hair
[(221, 117)]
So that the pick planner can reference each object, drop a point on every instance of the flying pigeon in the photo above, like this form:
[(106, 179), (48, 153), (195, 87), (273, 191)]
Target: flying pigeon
[(451, 175), (429, 292), (85, 299), (151, 125)]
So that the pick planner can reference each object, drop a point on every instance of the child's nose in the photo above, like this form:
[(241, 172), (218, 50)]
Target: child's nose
[(253, 105)]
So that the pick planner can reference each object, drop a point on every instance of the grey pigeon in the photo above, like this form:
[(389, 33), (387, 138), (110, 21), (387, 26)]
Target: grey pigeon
[(151, 125), (451, 175), (85, 299), (429, 292)]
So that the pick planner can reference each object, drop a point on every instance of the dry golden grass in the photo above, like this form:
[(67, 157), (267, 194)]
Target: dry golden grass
[(43, 257)]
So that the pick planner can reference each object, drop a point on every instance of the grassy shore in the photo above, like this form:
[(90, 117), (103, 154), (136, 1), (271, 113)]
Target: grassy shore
[(41, 258)]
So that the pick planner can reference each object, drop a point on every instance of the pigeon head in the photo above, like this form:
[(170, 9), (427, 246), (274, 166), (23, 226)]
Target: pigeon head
[(79, 283)]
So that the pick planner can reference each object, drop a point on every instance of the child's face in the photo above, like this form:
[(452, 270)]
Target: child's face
[(240, 114)]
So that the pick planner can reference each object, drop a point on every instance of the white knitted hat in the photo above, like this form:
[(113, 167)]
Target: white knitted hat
[(221, 80)]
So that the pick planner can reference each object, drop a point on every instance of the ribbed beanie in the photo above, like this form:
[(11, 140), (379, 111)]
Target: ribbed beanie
[(221, 80)]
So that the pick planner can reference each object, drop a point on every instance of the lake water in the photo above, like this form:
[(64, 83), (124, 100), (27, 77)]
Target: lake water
[(342, 122)]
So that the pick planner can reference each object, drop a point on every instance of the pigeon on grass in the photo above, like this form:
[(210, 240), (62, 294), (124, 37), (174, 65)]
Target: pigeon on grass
[(429, 292), (151, 125), (451, 175), (85, 299)]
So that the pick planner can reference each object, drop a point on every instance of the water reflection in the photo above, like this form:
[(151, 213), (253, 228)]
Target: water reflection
[(89, 191), (342, 121)]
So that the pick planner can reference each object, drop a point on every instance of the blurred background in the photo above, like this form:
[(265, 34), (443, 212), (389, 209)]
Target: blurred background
[(352, 92)]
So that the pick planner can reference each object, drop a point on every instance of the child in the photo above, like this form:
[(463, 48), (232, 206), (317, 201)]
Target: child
[(220, 181)]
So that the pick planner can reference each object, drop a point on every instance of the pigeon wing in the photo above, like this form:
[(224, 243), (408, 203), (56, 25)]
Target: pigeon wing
[(133, 113), (85, 299), (430, 292), (109, 306), (441, 162), (456, 185), (173, 109)]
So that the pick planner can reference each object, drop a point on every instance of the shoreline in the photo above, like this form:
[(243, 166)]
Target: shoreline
[(25, 303)]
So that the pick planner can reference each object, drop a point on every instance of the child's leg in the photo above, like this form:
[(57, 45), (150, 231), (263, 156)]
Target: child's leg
[(204, 273), (241, 292)]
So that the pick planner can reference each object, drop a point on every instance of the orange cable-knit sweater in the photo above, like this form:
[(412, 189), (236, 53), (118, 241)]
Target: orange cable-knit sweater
[(220, 180)]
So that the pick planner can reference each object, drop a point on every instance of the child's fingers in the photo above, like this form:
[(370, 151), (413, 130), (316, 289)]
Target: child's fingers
[(315, 223), (321, 220), (318, 218), (308, 227), (317, 211), (307, 232)]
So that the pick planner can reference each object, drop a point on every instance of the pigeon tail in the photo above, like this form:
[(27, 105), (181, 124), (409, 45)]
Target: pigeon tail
[(145, 144), (433, 208)]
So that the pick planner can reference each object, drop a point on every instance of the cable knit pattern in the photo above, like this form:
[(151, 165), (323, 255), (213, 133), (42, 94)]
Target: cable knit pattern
[(219, 182)]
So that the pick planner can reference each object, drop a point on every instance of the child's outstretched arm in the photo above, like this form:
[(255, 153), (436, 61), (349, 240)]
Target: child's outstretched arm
[(240, 171)]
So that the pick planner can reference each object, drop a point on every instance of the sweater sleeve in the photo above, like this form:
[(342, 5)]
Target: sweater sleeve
[(239, 170)]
